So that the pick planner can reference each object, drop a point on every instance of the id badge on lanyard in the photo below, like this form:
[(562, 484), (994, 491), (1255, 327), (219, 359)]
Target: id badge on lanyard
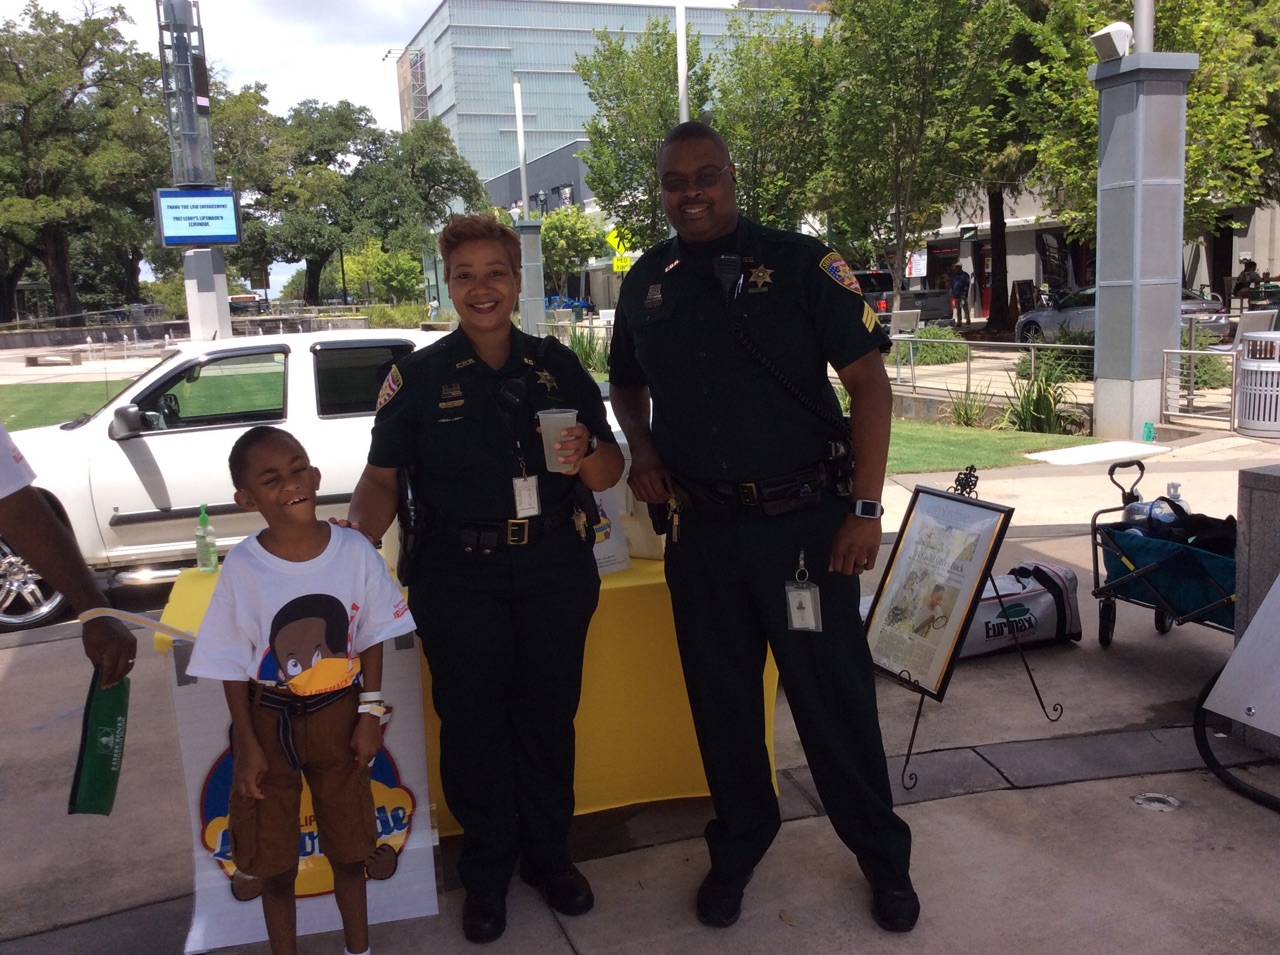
[(804, 606)]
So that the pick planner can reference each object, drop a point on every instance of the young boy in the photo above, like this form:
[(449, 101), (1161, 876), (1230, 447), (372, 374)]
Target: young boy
[(294, 631)]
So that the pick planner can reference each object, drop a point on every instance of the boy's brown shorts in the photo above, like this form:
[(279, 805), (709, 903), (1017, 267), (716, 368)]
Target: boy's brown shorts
[(265, 833)]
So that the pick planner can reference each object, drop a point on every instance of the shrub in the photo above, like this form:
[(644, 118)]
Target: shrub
[(968, 409), (1062, 366), (590, 349), (937, 346), (1040, 405), (405, 315)]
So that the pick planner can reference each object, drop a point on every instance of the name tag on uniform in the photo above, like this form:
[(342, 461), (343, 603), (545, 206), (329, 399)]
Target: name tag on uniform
[(526, 491)]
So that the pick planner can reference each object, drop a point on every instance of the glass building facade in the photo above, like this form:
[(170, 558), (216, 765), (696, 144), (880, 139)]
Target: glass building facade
[(459, 68)]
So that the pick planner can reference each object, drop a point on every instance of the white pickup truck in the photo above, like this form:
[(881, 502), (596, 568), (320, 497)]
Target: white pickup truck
[(129, 479)]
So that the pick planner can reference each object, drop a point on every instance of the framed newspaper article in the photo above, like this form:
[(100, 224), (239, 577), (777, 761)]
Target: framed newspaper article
[(930, 590)]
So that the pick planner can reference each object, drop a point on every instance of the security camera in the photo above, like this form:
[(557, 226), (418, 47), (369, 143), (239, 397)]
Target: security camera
[(1112, 41)]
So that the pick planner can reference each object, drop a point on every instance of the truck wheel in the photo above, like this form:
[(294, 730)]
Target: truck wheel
[(26, 599)]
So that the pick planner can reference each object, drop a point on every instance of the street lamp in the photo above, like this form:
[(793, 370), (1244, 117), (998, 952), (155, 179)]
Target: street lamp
[(542, 200)]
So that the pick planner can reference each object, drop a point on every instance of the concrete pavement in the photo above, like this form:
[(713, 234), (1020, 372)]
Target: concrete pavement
[(1028, 838)]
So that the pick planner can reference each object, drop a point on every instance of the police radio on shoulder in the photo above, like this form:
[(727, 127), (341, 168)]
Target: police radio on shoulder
[(864, 508)]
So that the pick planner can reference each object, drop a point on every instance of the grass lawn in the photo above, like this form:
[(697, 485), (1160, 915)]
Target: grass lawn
[(922, 447), (917, 447), (31, 406)]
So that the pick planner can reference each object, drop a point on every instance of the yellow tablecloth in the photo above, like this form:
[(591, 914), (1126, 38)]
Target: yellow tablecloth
[(635, 735)]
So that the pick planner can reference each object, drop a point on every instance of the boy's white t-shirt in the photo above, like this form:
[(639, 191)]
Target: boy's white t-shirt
[(15, 472), (234, 640)]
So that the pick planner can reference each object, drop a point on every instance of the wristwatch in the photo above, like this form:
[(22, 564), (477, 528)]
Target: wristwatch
[(592, 443), (865, 508)]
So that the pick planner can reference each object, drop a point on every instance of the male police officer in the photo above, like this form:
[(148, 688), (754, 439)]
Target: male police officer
[(725, 333)]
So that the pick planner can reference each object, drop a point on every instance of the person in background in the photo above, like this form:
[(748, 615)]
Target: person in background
[(37, 534), (764, 508), (1246, 281), (503, 582), (294, 631), (960, 294)]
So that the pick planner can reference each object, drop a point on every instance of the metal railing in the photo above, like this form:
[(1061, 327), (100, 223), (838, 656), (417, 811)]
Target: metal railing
[(110, 317), (984, 362), (1183, 400)]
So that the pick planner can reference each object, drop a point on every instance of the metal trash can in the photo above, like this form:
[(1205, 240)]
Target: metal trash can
[(1258, 386)]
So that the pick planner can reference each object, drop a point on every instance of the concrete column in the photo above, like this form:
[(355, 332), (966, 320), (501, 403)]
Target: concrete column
[(1257, 569), (1142, 101), (533, 308), (208, 310)]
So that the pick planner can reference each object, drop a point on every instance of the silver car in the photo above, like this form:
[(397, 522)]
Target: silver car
[(1076, 310)]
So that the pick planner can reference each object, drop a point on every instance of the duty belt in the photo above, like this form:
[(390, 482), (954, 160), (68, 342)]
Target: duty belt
[(484, 537), (290, 704)]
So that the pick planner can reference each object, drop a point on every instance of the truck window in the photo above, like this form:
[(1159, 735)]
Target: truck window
[(348, 378)]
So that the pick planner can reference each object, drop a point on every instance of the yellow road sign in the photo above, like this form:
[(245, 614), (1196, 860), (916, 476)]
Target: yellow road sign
[(621, 263), (616, 243)]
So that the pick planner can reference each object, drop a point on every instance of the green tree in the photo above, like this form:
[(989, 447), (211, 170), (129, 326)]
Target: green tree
[(633, 86), (1226, 104), (77, 114), (310, 204), (769, 87), (910, 73), (415, 180), (570, 239), (398, 277)]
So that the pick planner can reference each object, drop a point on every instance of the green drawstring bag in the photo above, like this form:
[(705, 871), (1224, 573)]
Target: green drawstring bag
[(106, 713)]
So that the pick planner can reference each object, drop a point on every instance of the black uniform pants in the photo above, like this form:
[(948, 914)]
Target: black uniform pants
[(727, 592), (504, 637)]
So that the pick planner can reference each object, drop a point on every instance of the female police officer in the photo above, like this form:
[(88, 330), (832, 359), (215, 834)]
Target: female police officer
[(503, 582)]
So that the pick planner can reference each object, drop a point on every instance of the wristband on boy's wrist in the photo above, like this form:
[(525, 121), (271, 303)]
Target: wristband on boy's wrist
[(373, 709), (374, 696)]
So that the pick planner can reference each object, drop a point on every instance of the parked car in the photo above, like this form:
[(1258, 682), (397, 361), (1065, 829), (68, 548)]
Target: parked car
[(934, 305), (129, 479), (1076, 310)]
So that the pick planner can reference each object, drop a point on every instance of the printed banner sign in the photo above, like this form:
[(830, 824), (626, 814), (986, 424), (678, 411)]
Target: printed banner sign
[(399, 778)]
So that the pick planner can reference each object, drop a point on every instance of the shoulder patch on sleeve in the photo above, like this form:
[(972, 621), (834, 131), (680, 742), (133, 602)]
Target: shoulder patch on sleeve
[(839, 272), (389, 387)]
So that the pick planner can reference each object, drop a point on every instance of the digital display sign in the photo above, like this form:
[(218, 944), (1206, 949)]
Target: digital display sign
[(197, 217)]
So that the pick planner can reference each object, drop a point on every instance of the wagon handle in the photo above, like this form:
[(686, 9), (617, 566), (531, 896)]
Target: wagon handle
[(1131, 495)]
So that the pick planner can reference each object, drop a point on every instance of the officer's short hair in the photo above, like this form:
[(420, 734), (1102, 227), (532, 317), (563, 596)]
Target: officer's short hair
[(481, 228), (691, 132)]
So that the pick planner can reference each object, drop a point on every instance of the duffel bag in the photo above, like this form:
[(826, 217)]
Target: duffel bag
[(1039, 608)]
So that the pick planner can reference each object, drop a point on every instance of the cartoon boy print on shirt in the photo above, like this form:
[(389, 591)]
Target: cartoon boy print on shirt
[(311, 646)]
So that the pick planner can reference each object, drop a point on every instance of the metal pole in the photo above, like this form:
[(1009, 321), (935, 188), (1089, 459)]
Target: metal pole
[(1144, 26), (682, 63), (524, 172), (342, 266)]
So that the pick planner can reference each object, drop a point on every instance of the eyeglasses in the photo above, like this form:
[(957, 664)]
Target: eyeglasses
[(703, 180)]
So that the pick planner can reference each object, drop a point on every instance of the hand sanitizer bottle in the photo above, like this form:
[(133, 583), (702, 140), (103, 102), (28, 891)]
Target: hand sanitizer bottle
[(206, 545)]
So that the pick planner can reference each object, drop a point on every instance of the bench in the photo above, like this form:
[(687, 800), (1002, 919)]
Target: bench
[(69, 358)]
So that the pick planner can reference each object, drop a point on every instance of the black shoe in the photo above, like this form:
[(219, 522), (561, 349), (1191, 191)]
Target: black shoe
[(894, 903), (484, 917), (563, 886), (720, 900)]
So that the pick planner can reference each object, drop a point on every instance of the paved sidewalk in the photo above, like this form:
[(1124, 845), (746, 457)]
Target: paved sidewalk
[(1027, 835)]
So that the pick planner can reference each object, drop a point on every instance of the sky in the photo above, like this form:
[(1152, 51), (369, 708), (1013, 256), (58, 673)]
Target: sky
[(327, 50)]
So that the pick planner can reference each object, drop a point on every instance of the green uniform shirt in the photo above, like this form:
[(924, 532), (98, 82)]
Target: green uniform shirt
[(439, 412), (718, 414)]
